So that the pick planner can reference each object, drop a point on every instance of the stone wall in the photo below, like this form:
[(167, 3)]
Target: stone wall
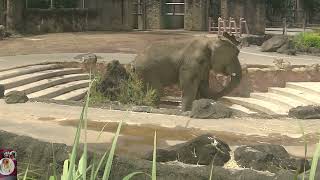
[(15, 15), (97, 15), (254, 11), (2, 12), (153, 14), (196, 15), (39, 21)]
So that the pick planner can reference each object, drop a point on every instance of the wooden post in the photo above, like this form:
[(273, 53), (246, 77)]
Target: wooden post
[(284, 20), (51, 4)]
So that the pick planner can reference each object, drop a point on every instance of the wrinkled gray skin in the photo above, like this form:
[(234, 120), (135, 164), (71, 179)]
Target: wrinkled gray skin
[(188, 63)]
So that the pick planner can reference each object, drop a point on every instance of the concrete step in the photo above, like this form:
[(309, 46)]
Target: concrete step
[(302, 96), (309, 87), (258, 105), (47, 83), (175, 102), (30, 78), (27, 70), (60, 89), (278, 99), (240, 109), (75, 95)]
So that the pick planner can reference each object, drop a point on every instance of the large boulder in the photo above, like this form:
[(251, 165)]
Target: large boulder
[(267, 157), (202, 150), (288, 48), (209, 109), (89, 61), (14, 97), (2, 91), (110, 84), (305, 112), (273, 44)]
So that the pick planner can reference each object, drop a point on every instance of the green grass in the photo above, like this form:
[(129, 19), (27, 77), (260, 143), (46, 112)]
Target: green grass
[(132, 91), (307, 40)]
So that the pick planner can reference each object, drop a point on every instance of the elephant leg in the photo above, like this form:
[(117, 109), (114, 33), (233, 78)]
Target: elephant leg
[(189, 88), (204, 89)]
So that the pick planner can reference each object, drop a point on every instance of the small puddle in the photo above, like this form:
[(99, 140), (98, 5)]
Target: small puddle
[(137, 140)]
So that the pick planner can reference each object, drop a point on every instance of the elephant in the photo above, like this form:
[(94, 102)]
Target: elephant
[(188, 63)]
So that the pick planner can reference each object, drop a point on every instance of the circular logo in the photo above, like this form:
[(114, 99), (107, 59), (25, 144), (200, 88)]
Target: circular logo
[(6, 166)]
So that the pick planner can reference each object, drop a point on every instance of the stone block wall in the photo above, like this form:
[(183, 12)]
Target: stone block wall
[(254, 11), (2, 12), (153, 14), (97, 15), (196, 15)]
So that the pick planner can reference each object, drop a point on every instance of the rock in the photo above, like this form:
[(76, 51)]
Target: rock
[(313, 67), (209, 109), (273, 44), (305, 112), (110, 84), (2, 32), (41, 154), (287, 48), (201, 150), (2, 91), (89, 61), (267, 157), (147, 109), (252, 40), (16, 97), (314, 50)]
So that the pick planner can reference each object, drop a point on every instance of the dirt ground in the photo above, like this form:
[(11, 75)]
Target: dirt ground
[(103, 42)]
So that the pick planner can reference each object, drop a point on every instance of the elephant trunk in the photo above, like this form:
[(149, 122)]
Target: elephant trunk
[(235, 71)]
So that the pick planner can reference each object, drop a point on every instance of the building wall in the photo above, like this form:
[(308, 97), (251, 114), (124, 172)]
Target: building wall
[(97, 15), (196, 15), (2, 12), (254, 11), (153, 14)]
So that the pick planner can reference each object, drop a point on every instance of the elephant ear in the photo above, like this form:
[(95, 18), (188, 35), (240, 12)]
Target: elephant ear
[(231, 38)]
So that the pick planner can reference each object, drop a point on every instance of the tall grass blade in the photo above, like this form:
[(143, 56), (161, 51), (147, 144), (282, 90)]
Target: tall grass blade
[(77, 136), (131, 175), (210, 177), (315, 162), (100, 164), (107, 169), (305, 148), (154, 160), (26, 173), (54, 167), (65, 170), (93, 168)]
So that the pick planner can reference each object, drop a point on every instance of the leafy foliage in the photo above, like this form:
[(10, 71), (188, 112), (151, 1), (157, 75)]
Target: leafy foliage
[(308, 39), (132, 92)]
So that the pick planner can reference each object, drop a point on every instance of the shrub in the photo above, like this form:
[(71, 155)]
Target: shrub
[(307, 40), (132, 91)]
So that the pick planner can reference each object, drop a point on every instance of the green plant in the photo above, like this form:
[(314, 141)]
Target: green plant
[(96, 96), (73, 172), (307, 39), (132, 92)]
